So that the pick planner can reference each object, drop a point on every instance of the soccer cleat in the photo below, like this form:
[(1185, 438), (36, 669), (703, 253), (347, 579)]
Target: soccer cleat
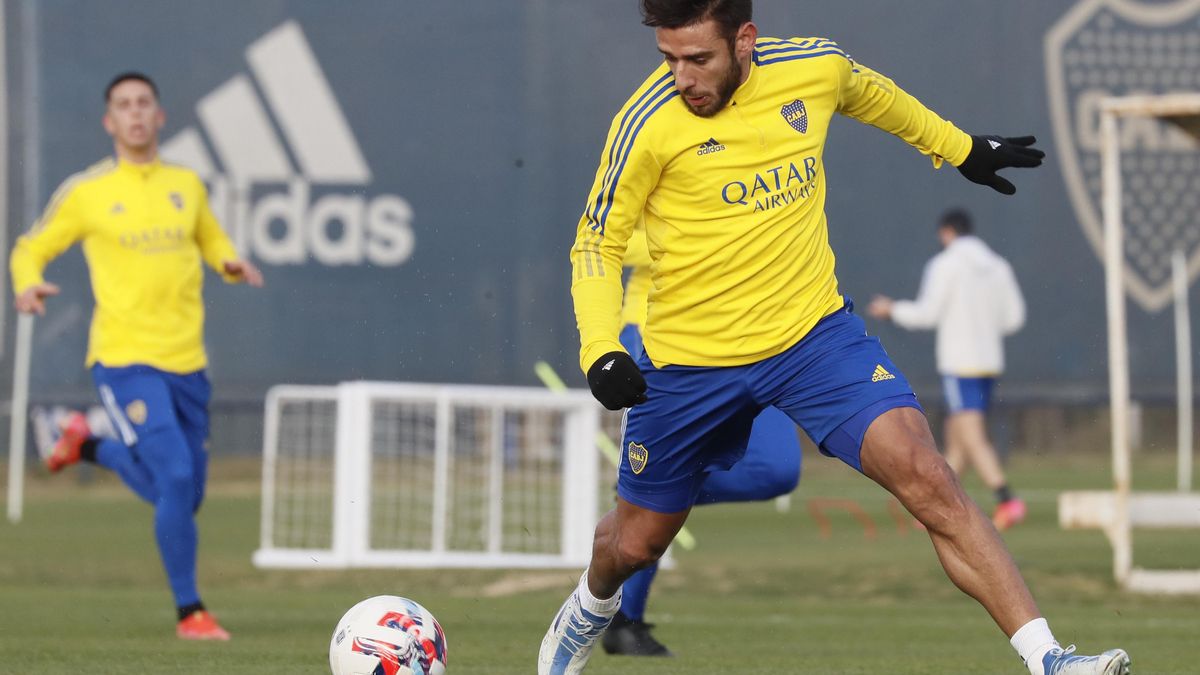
[(569, 641), (627, 637), (1009, 513), (72, 432), (1064, 662), (200, 625)]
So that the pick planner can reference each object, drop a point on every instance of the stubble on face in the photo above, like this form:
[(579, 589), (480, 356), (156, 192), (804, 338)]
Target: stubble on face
[(717, 101)]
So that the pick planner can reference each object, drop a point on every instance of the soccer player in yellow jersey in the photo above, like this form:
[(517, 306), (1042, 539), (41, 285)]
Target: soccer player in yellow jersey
[(145, 227), (720, 152), (769, 468)]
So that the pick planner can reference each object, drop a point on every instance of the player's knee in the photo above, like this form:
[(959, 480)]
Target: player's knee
[(783, 481), (937, 499), (639, 553), (178, 483)]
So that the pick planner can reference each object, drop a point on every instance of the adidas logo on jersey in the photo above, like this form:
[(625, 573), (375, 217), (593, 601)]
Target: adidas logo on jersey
[(286, 174), (710, 146), (881, 374)]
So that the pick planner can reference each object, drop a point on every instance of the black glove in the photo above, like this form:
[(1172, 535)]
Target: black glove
[(992, 153), (616, 381)]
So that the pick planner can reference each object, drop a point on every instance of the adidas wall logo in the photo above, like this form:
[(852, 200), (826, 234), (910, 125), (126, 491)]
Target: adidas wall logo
[(710, 146), (268, 152), (881, 374)]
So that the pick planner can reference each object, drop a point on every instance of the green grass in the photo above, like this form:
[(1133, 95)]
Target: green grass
[(81, 590)]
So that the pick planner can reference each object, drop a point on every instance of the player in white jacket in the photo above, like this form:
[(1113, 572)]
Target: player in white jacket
[(970, 295)]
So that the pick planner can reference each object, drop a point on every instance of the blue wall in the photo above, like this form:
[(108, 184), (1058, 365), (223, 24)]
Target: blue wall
[(486, 117)]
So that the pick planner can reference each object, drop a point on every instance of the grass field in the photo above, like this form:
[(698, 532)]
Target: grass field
[(81, 590)]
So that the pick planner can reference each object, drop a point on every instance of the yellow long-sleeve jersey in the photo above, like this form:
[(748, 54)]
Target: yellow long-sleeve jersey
[(733, 205), (145, 229), (637, 285)]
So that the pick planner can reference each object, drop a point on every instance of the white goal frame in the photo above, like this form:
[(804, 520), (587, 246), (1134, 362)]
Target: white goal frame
[(1119, 511), (351, 485)]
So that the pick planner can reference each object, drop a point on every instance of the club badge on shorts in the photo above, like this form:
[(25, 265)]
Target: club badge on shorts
[(637, 457), (136, 411)]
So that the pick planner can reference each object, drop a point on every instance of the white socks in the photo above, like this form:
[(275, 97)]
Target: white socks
[(593, 604), (1032, 641)]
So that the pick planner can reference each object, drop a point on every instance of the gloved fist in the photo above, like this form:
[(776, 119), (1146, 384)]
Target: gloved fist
[(616, 381), (989, 154)]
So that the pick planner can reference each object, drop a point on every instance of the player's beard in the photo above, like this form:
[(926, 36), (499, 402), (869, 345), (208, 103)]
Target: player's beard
[(725, 88)]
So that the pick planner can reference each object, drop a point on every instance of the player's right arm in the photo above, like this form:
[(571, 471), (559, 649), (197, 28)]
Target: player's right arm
[(61, 225), (627, 174)]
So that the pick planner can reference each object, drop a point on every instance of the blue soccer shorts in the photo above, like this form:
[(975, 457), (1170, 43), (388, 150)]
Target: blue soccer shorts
[(833, 384), (968, 393)]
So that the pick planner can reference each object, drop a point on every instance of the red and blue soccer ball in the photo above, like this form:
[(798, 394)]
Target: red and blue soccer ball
[(388, 635)]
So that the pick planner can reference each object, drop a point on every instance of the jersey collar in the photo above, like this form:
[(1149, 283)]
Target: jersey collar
[(747, 89), (142, 170)]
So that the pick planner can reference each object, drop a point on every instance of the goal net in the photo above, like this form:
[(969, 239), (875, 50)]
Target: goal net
[(375, 474), (1131, 197)]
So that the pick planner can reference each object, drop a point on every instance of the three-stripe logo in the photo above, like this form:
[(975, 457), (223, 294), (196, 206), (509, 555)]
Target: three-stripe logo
[(293, 136)]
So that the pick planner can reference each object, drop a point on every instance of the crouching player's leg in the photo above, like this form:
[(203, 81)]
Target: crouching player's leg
[(864, 412), (769, 469), (695, 420), (146, 406)]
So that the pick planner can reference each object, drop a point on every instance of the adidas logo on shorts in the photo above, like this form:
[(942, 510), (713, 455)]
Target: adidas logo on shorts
[(881, 374)]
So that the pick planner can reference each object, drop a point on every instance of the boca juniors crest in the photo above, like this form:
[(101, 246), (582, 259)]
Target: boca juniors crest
[(1103, 48), (796, 115), (637, 457)]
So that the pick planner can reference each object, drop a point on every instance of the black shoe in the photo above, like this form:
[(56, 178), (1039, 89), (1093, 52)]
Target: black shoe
[(632, 638)]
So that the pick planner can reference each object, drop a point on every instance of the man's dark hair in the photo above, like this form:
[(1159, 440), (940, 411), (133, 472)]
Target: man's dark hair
[(730, 15), (125, 77), (958, 220)]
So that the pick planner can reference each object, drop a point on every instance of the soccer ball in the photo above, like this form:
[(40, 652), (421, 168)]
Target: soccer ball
[(387, 635)]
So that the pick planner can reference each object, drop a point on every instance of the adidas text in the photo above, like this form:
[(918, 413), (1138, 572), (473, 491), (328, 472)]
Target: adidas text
[(297, 189), (710, 146)]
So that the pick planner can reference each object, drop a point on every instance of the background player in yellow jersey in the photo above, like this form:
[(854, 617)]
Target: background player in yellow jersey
[(720, 153), (145, 227)]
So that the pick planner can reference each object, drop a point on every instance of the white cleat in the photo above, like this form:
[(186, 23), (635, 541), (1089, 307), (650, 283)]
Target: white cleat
[(1064, 662), (569, 641)]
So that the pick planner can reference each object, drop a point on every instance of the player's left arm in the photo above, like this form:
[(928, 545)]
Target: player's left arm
[(926, 310), (218, 251), (875, 99), (1013, 302)]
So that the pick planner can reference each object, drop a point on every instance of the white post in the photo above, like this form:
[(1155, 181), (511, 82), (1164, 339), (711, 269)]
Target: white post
[(270, 456), (1183, 368), (352, 475), (441, 469), (1118, 348), (20, 406), (495, 508), (580, 481)]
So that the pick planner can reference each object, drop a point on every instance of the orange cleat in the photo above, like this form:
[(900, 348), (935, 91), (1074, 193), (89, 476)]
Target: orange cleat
[(1009, 513), (72, 432), (200, 625)]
